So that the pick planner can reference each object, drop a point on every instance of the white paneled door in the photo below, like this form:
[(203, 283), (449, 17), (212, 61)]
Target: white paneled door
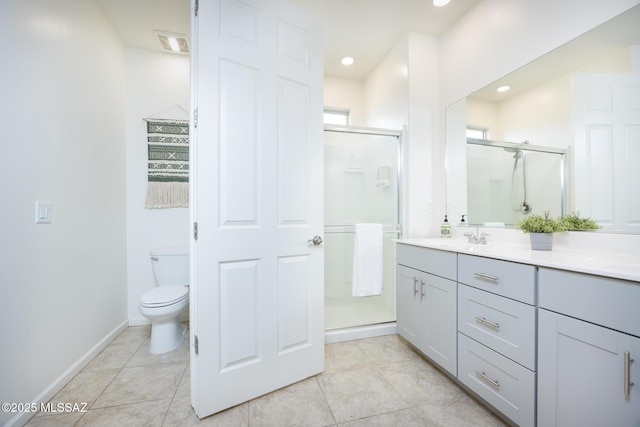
[(607, 149), (257, 321)]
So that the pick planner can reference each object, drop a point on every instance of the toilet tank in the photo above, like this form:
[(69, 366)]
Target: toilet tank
[(170, 267)]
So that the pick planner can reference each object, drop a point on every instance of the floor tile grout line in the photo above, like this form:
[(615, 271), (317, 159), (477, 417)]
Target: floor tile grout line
[(112, 379), (324, 396), (132, 403), (166, 413), (376, 367)]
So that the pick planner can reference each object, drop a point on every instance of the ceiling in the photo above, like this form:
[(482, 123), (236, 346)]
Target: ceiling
[(364, 29), (368, 29), (135, 20)]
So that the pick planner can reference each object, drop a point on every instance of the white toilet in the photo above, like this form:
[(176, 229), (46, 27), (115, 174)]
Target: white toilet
[(164, 304)]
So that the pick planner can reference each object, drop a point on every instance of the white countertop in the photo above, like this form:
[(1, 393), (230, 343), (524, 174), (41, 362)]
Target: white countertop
[(609, 264)]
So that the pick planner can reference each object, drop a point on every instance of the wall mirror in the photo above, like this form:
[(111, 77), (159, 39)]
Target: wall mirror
[(564, 138)]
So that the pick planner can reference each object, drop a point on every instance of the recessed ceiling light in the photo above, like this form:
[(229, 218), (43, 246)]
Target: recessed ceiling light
[(172, 42), (347, 60), (440, 3), (504, 88)]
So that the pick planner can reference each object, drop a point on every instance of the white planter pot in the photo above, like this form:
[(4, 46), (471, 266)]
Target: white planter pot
[(541, 241)]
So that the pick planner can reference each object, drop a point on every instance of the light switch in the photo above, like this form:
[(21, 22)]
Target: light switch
[(43, 212)]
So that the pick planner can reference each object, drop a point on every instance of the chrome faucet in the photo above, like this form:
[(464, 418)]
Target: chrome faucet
[(475, 239)]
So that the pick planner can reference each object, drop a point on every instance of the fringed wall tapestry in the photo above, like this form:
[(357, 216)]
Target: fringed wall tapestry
[(168, 182)]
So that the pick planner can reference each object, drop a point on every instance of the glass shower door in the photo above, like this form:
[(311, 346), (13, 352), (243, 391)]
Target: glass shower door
[(361, 186)]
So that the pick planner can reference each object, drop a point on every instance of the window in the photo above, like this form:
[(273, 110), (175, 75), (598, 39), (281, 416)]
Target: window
[(477, 132), (336, 116)]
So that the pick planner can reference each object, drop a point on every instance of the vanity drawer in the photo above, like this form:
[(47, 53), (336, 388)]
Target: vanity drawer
[(605, 301), (502, 324), (509, 279), (440, 263), (506, 385)]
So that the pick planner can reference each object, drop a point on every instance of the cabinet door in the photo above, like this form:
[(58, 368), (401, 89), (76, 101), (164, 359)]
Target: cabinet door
[(581, 374), (441, 320), (629, 347), (410, 309)]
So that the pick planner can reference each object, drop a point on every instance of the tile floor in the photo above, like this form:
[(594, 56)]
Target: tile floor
[(370, 382)]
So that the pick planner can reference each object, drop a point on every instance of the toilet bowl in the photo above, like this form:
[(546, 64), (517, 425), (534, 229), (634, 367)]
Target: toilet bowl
[(164, 304)]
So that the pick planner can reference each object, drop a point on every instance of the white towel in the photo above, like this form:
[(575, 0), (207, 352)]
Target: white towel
[(367, 260)]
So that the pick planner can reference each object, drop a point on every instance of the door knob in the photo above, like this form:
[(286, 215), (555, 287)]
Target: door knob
[(317, 240)]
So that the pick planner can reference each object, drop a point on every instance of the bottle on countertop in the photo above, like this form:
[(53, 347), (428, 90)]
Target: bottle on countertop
[(462, 223), (445, 229)]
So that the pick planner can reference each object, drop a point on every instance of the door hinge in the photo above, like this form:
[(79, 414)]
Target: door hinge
[(195, 344), (195, 231), (195, 117), (195, 9)]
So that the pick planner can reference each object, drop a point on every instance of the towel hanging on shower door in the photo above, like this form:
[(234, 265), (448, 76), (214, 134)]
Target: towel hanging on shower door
[(367, 260)]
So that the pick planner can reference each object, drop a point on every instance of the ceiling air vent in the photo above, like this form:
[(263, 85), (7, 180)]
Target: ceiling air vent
[(172, 42)]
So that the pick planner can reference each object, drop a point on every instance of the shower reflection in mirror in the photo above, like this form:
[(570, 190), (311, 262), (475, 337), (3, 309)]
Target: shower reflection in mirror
[(507, 180)]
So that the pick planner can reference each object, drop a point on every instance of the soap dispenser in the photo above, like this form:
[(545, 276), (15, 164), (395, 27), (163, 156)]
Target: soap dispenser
[(463, 223), (445, 229)]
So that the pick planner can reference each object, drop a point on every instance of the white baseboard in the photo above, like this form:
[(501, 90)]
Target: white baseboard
[(139, 321), (359, 332), (57, 385)]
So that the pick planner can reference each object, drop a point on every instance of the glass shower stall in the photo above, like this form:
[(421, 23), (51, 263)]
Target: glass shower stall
[(362, 185)]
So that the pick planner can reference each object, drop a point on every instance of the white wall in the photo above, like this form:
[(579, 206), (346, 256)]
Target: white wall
[(424, 159), (387, 89), (63, 285), (403, 91), (156, 83), (347, 94)]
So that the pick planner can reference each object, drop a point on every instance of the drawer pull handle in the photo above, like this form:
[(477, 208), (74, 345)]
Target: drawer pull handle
[(422, 285), (482, 375), (488, 322), (486, 277), (627, 373), (415, 286)]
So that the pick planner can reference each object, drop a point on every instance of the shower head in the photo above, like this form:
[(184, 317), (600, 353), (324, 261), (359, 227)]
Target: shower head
[(515, 150), (518, 153)]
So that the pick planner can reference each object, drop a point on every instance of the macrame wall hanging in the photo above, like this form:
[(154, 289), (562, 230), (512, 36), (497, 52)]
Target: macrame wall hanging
[(168, 165)]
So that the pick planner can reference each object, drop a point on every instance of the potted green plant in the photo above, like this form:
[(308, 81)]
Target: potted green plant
[(540, 229), (573, 222)]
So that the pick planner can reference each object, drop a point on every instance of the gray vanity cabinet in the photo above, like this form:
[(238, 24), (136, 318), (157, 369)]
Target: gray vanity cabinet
[(544, 346), (589, 351), (497, 334), (426, 302)]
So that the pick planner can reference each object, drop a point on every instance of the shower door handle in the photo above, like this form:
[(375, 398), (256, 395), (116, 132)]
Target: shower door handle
[(317, 240)]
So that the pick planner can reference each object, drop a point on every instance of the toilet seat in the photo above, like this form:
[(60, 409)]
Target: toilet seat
[(163, 296)]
